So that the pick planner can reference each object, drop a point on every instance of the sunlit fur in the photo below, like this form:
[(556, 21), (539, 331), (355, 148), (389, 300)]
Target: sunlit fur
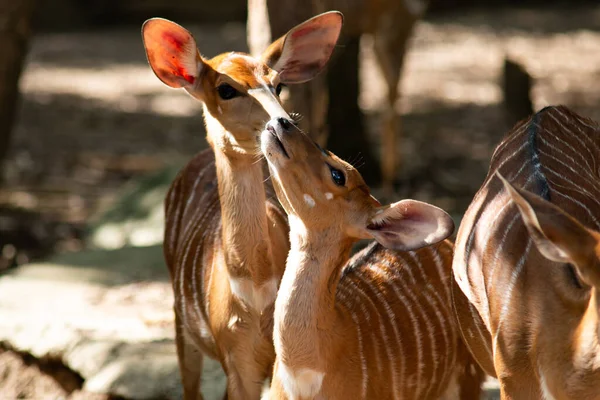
[(226, 236), (530, 307), (377, 326)]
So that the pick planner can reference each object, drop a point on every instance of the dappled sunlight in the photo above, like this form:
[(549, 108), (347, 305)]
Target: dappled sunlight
[(129, 89), (456, 63)]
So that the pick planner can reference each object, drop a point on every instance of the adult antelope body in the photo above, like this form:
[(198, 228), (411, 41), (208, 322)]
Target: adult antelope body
[(380, 327), (390, 22), (225, 241), (528, 261)]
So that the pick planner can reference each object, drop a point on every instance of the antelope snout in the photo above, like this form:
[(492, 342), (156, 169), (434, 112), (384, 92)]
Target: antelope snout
[(280, 125)]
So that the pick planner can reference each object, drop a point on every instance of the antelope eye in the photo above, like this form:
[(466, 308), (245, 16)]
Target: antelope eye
[(279, 88), (226, 91), (337, 176), (572, 276)]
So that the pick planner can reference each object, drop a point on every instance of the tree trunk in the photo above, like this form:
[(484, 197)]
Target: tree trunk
[(347, 133), (15, 17)]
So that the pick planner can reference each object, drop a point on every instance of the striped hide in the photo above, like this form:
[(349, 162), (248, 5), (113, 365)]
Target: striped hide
[(405, 340), (194, 255), (531, 320), (379, 325)]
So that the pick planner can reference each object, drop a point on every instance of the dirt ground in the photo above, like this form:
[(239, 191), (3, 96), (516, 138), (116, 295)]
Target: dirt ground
[(93, 116)]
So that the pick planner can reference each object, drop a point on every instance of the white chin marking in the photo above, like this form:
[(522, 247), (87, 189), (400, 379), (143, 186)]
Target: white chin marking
[(300, 384), (309, 201)]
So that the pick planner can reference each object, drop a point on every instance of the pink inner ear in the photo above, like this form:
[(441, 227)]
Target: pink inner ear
[(304, 31), (308, 48), (175, 48), (171, 52)]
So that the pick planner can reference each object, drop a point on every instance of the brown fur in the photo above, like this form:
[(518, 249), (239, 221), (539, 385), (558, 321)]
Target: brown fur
[(345, 318), (529, 312), (225, 235)]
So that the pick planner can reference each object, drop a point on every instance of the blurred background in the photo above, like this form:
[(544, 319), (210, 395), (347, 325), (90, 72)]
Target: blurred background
[(90, 140)]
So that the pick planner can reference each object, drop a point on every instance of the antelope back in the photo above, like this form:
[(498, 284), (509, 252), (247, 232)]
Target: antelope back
[(409, 344), (524, 309)]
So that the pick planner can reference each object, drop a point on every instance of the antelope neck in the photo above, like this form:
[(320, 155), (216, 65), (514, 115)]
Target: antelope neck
[(244, 218), (305, 305)]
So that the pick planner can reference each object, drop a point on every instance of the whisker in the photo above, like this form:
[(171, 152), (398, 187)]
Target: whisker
[(357, 159), (296, 117), (259, 158)]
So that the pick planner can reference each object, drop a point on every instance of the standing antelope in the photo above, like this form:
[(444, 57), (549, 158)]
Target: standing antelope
[(528, 261), (381, 326), (391, 23), (225, 242)]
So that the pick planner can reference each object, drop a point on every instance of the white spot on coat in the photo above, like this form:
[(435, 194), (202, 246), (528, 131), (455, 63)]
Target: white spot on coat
[(329, 196), (309, 200)]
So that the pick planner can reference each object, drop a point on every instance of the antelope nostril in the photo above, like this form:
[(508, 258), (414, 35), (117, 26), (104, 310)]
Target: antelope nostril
[(285, 124)]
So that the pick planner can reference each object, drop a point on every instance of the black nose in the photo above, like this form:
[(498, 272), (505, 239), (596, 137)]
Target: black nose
[(286, 124)]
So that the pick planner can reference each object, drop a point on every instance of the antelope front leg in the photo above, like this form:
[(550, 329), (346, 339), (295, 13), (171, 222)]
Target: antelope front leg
[(248, 364)]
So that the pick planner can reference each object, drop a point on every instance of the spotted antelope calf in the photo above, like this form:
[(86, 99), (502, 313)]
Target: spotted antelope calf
[(379, 326), (527, 261)]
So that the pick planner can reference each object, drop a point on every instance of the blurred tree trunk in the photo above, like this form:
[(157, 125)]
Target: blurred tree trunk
[(337, 89), (15, 30), (347, 132)]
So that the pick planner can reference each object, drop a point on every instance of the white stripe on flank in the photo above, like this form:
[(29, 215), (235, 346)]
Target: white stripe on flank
[(589, 183), (188, 249), (474, 315), (361, 355), (436, 310), (430, 331), (572, 134), (198, 210), (392, 319), (416, 332), (565, 144), (176, 220), (447, 306), (382, 334), (507, 297), (507, 141), (500, 245), (195, 289)]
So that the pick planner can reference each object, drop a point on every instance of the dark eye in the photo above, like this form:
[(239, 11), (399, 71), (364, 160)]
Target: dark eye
[(227, 91), (337, 176), (279, 88), (572, 275)]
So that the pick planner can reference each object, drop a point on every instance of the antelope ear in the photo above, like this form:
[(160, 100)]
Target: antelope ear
[(558, 236), (304, 51), (172, 53), (410, 225)]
